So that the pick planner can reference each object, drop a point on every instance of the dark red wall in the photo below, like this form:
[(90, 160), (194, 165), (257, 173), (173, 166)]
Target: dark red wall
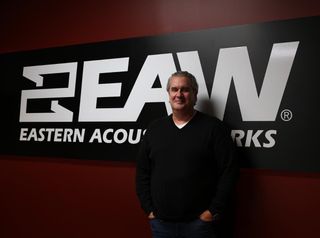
[(57, 197)]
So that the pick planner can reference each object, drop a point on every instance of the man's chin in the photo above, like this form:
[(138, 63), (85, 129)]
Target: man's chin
[(179, 108)]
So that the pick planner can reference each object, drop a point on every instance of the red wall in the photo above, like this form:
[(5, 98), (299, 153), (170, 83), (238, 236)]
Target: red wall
[(57, 197)]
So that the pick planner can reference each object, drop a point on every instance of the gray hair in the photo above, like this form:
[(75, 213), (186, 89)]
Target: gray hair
[(192, 79)]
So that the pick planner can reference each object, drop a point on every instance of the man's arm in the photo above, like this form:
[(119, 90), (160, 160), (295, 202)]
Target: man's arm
[(143, 176), (228, 171)]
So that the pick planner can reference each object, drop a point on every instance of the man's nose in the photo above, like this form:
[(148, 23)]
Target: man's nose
[(179, 93)]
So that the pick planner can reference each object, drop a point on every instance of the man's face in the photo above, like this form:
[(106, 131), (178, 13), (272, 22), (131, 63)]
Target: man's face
[(181, 95)]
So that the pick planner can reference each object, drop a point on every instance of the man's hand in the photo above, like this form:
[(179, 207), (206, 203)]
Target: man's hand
[(206, 216), (151, 216)]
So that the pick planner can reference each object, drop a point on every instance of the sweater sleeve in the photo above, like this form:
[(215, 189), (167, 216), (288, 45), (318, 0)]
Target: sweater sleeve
[(228, 170), (143, 177)]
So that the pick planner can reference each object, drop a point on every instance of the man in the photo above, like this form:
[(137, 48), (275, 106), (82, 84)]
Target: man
[(186, 167)]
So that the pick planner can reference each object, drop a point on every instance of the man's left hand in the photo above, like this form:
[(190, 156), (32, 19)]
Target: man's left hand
[(206, 216)]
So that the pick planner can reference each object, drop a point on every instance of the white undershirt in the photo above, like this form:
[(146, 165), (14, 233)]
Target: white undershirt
[(180, 126)]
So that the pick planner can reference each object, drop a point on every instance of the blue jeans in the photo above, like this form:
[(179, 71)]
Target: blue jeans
[(192, 229)]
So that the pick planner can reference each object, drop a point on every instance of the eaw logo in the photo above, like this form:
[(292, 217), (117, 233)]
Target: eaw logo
[(233, 64)]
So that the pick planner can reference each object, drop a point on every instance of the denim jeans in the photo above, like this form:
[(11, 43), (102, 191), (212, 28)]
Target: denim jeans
[(192, 229)]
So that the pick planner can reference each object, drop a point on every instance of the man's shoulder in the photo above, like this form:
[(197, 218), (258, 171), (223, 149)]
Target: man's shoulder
[(212, 123), (157, 128), (159, 122), (206, 118)]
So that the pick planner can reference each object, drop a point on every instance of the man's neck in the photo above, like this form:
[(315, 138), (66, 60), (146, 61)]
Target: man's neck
[(181, 117)]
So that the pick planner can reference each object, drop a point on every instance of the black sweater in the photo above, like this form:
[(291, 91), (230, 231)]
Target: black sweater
[(183, 172)]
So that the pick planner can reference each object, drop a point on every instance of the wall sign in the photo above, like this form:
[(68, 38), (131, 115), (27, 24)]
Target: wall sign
[(94, 101)]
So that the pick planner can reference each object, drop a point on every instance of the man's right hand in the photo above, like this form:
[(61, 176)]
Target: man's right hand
[(151, 216)]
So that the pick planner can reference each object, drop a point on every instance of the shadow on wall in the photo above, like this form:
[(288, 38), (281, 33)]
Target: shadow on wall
[(206, 106)]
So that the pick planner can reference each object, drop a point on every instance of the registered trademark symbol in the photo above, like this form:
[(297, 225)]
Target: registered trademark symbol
[(286, 115)]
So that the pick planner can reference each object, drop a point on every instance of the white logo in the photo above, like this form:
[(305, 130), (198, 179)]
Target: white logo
[(233, 64)]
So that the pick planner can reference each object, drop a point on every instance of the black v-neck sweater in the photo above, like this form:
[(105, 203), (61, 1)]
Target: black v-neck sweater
[(183, 172)]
